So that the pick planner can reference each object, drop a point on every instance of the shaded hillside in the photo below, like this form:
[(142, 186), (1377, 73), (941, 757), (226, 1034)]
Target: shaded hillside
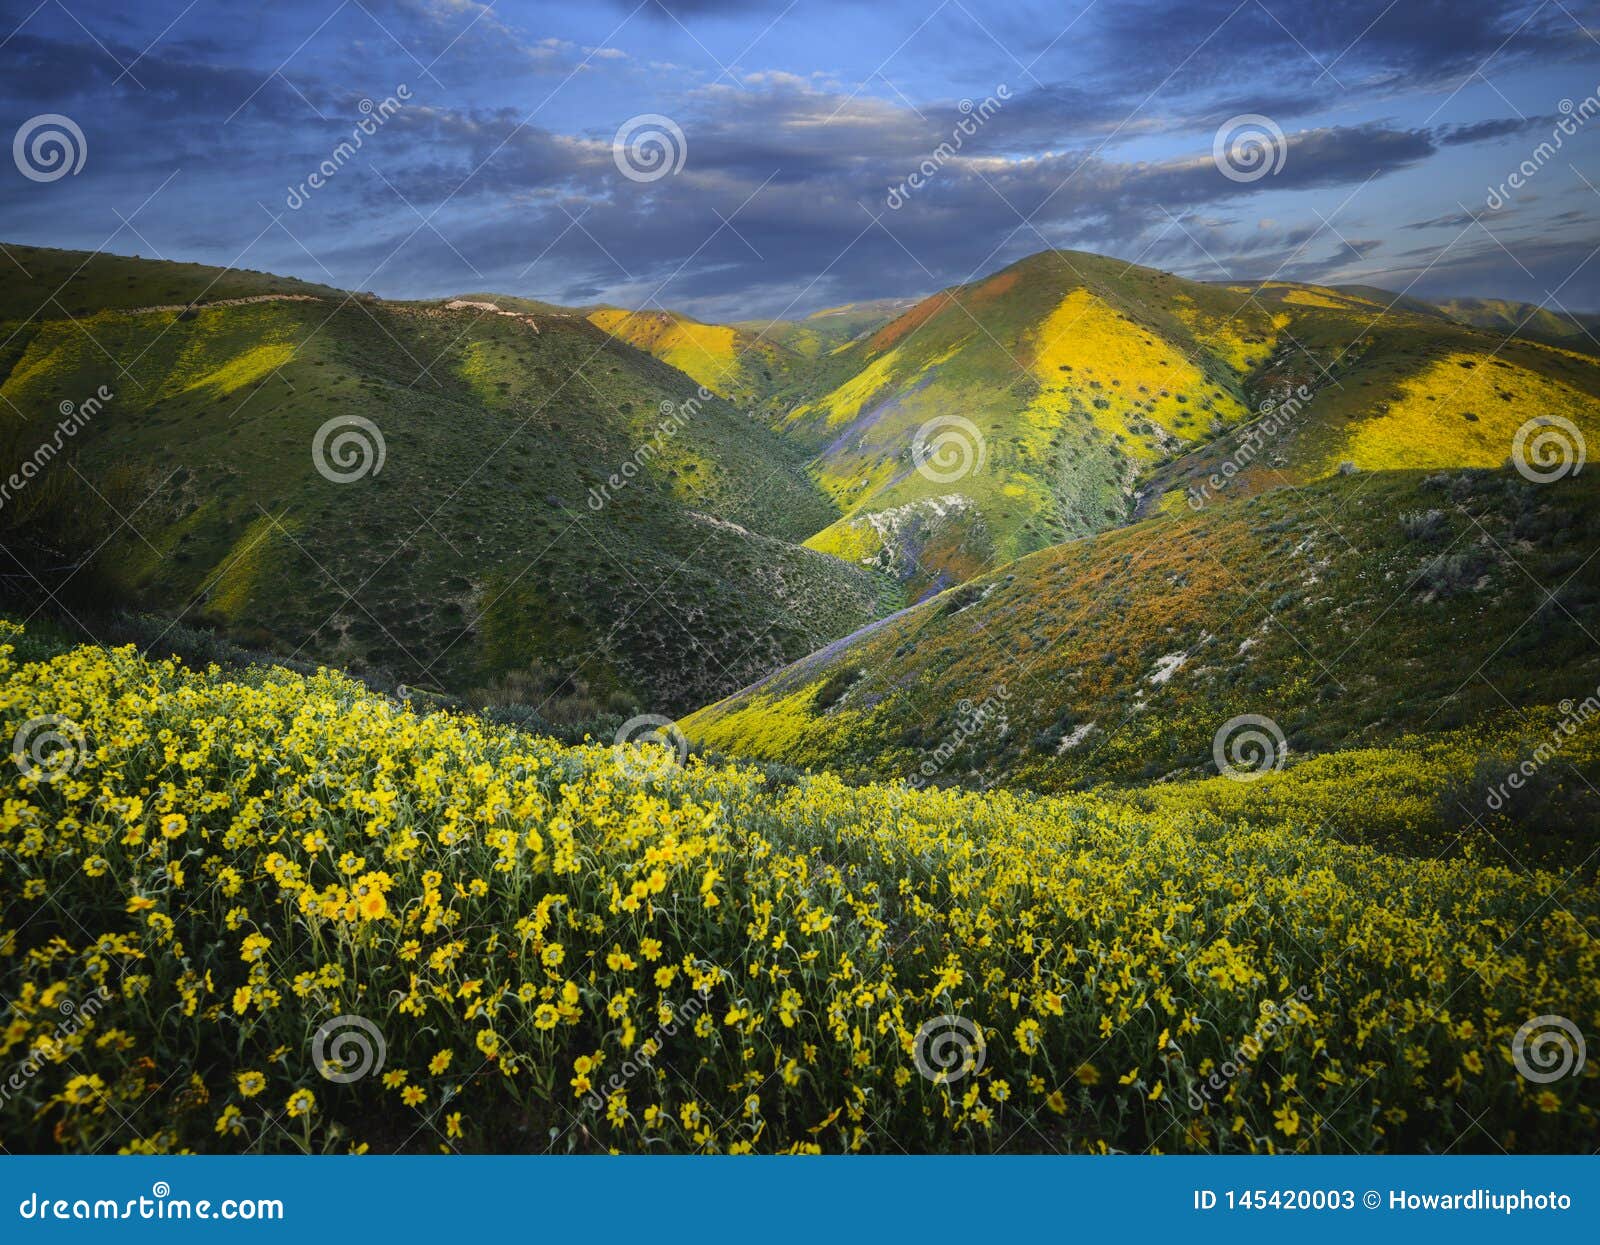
[(1349, 611), (1504, 316), (492, 536), (44, 283)]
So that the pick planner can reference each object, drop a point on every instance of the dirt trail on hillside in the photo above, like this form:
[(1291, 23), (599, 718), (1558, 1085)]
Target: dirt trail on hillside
[(224, 302)]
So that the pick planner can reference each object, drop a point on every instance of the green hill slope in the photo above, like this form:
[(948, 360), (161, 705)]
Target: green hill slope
[(830, 329), (546, 493), (1398, 392), (1037, 405), (1349, 611), (56, 283), (1504, 316), (741, 366)]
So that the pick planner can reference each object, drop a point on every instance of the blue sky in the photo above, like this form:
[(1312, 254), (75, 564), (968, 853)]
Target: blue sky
[(499, 169)]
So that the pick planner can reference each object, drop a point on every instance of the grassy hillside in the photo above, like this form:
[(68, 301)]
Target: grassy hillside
[(1401, 392), (492, 537), (1349, 611), (741, 366), (751, 363), (43, 283), (1047, 398), (1505, 316), (494, 944), (828, 330)]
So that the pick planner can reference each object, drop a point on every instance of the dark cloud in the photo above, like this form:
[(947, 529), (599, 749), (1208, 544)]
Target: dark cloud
[(784, 202), (1560, 271), (1450, 220), (1483, 131), (1339, 42)]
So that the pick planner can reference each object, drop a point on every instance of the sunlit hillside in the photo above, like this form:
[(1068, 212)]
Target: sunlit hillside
[(1064, 394), (831, 329), (1348, 611), (522, 945), (742, 366)]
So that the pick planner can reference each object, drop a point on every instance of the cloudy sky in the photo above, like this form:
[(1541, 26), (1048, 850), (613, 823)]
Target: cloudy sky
[(791, 130)]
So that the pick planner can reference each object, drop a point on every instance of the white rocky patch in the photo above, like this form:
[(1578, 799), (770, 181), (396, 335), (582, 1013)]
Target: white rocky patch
[(711, 520), (1073, 738), (1166, 667)]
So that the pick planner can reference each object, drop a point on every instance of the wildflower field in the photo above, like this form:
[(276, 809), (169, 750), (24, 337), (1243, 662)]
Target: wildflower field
[(259, 911)]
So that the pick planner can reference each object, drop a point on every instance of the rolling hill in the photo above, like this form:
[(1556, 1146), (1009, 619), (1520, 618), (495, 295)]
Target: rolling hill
[(1505, 316), (830, 329), (742, 366), (449, 492), (752, 363), (1039, 404), (1350, 611)]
